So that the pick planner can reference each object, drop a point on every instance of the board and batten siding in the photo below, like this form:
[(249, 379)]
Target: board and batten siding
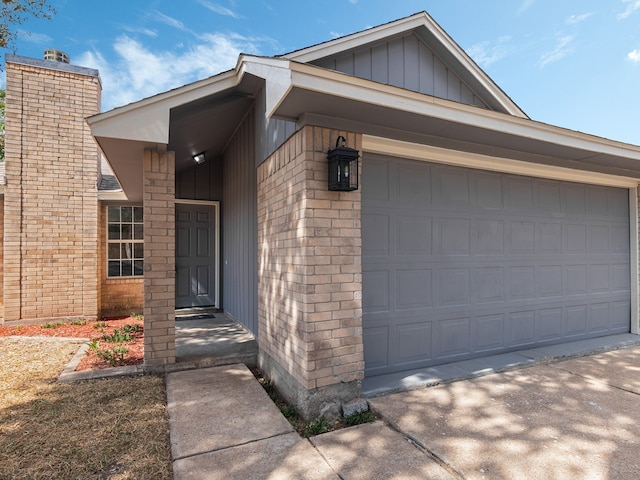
[(239, 238), (405, 62)]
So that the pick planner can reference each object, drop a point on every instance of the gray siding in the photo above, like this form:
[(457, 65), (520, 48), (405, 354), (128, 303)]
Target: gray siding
[(239, 239), (271, 133), (405, 62), (200, 182)]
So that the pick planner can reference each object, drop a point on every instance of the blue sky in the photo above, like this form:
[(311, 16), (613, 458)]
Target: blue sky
[(571, 63)]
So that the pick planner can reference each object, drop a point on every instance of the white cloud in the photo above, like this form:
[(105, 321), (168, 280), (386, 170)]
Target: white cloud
[(172, 22), (634, 56), (573, 19), (632, 6), (564, 47), (486, 53), (139, 72), (37, 38), (217, 8)]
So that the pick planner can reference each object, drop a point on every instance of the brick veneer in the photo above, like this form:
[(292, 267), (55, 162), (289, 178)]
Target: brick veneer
[(310, 279), (118, 296), (51, 208), (159, 259)]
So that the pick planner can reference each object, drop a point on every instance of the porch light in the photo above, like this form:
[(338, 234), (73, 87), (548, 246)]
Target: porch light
[(343, 167), (199, 158)]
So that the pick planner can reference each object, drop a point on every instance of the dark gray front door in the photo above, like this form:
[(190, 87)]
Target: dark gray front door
[(460, 263), (196, 245)]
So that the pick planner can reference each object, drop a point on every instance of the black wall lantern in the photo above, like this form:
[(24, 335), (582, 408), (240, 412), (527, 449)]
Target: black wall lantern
[(343, 167)]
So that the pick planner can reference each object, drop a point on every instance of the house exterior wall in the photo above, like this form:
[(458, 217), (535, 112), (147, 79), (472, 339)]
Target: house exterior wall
[(159, 259), (118, 296), (310, 280), (405, 62), (51, 207), (238, 208)]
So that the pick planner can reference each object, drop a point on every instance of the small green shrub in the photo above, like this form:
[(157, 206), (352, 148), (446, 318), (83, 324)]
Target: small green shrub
[(122, 334), (79, 323), (52, 325), (359, 418), (99, 325), (316, 427)]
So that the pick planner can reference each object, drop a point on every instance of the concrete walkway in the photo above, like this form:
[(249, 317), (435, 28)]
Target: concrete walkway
[(578, 418)]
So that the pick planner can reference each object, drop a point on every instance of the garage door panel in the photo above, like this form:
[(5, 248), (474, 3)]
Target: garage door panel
[(414, 289), (375, 288), (548, 238), (620, 240), (574, 199), (414, 343), (413, 183), (620, 313), (522, 282), (548, 197), (575, 280), (521, 238), (454, 235), (520, 328), (489, 237), (485, 262), (620, 278), (377, 352), (414, 235), (487, 333), (548, 279), (576, 320), (575, 239), (489, 284), (454, 287), (549, 324), (453, 337), (599, 318), (487, 191), (599, 279), (376, 229)]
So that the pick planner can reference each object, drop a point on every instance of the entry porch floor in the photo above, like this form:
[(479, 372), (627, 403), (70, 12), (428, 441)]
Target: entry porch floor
[(207, 338)]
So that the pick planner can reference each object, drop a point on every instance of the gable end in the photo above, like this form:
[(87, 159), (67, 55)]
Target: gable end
[(407, 62)]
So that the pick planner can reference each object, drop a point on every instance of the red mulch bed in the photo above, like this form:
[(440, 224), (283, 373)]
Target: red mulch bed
[(92, 330)]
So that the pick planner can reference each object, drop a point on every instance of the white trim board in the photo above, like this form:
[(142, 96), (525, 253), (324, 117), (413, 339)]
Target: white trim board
[(427, 153)]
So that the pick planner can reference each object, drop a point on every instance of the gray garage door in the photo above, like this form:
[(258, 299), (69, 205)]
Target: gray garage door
[(460, 263)]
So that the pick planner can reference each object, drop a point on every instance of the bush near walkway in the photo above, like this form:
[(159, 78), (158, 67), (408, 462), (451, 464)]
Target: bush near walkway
[(105, 429)]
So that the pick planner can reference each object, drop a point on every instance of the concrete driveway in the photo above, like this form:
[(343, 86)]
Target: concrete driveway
[(575, 419)]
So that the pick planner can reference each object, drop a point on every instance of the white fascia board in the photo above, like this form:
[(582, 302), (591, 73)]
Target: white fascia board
[(366, 91), (148, 120), (339, 45), (428, 153), (275, 72)]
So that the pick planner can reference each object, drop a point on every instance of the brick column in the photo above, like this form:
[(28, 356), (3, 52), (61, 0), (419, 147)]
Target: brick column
[(310, 276), (51, 205), (159, 259)]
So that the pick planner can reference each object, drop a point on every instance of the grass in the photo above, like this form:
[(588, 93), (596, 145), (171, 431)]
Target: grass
[(111, 428)]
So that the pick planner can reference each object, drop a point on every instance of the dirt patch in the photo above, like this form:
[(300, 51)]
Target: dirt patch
[(105, 353), (110, 428)]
